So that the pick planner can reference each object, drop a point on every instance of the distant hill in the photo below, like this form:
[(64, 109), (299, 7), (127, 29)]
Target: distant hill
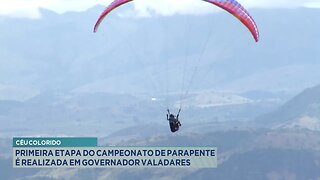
[(302, 111)]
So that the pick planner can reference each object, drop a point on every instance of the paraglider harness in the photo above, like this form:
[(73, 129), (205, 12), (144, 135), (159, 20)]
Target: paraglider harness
[(173, 121)]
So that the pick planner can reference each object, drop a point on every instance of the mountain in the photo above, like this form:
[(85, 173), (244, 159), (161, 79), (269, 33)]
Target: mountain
[(58, 78), (302, 111), (147, 54), (55, 69)]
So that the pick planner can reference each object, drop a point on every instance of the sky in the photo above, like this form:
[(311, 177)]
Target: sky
[(30, 8)]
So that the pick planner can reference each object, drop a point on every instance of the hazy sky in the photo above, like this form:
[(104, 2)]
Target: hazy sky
[(29, 8)]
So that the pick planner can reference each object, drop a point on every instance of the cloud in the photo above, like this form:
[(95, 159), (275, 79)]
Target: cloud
[(169, 7), (278, 3), (21, 8), (313, 4), (29, 8)]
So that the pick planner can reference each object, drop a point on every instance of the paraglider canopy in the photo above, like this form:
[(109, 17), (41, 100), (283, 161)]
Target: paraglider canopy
[(237, 10), (232, 6)]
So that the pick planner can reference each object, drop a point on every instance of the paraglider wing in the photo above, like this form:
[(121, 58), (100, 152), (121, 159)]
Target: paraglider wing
[(112, 6), (237, 10)]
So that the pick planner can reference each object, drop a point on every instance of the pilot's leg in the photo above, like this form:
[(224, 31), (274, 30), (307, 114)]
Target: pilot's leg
[(172, 128)]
